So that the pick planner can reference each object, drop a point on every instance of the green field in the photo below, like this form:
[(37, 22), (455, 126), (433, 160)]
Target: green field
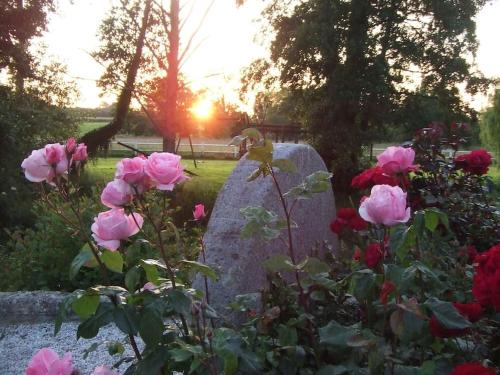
[(212, 172), (87, 126)]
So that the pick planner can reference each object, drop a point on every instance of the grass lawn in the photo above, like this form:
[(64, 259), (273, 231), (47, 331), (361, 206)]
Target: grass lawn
[(199, 189), (213, 172), (87, 126)]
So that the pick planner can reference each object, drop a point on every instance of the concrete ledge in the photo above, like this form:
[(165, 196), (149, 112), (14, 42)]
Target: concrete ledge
[(29, 307)]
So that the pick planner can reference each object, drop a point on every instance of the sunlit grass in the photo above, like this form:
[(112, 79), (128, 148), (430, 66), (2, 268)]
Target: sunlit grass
[(88, 126), (203, 188)]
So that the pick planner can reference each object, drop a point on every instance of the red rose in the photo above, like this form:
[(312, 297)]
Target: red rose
[(387, 288), (348, 217), (357, 255), (473, 311), (486, 282), (337, 225), (474, 368), (358, 223), (438, 330), (373, 255), (475, 162), (346, 213), (371, 177)]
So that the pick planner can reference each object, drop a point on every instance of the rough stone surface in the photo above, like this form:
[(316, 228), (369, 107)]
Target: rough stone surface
[(239, 261)]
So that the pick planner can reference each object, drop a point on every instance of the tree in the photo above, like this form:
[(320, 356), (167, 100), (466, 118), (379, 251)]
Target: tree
[(20, 22), (490, 125), (161, 61), (131, 63), (353, 64)]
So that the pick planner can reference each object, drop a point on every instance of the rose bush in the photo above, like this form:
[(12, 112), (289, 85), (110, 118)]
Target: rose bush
[(400, 296)]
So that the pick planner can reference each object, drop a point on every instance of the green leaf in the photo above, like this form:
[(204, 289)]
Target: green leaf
[(285, 165), (363, 284), (115, 347), (446, 313), (64, 310), (113, 260), (317, 182), (287, 336), (431, 220), (263, 154), (427, 368), (90, 349), (180, 355), (433, 217), (132, 278), (201, 268), (278, 263), (151, 327), (126, 319), (333, 370), (90, 327), (180, 301), (86, 305), (84, 256), (255, 174), (260, 222), (151, 266), (252, 133), (313, 266), (402, 238), (336, 334)]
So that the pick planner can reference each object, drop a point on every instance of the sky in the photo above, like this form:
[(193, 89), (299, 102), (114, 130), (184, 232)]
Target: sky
[(226, 44)]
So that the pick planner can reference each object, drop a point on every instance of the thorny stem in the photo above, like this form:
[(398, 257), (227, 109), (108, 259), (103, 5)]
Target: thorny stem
[(133, 343), (302, 299), (79, 227), (288, 225), (161, 246)]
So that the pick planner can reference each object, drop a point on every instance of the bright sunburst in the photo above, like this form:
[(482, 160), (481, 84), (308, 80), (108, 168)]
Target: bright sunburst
[(202, 109)]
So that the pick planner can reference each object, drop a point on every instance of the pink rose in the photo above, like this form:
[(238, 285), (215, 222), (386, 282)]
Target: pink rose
[(116, 194), (55, 154), (385, 205), (199, 212), (149, 286), (80, 152), (47, 362), (131, 170), (165, 170), (36, 168), (397, 160), (103, 370), (112, 226), (71, 145)]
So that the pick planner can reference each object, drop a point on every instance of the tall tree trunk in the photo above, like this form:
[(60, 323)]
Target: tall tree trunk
[(100, 137), (172, 88)]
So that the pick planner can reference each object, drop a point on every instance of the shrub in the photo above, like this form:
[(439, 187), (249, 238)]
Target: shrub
[(403, 296)]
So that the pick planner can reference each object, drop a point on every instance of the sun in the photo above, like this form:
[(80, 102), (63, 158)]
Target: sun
[(202, 109)]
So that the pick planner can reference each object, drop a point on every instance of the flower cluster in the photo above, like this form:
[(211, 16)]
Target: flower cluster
[(133, 177), (472, 311), (473, 368), (348, 218), (486, 282), (53, 160), (475, 162), (387, 201), (47, 362)]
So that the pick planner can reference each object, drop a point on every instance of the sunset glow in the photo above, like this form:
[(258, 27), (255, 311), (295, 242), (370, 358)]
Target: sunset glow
[(203, 109)]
